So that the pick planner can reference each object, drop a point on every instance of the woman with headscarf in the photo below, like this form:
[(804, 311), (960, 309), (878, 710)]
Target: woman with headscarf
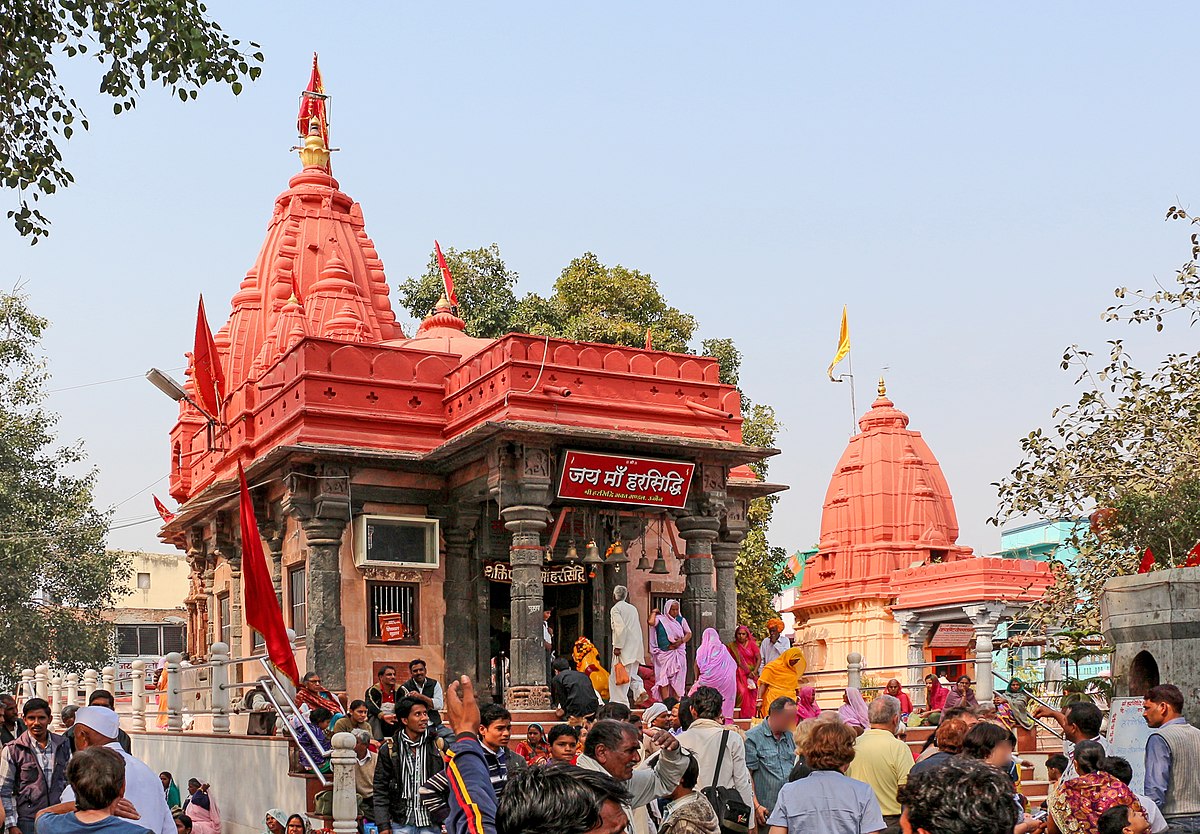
[(780, 677), (853, 710), (1018, 701), (716, 667), (202, 808), (297, 824), (747, 656), (668, 646), (962, 694), (1078, 803), (587, 660), (170, 789), (935, 701), (806, 704), (534, 749), (276, 822)]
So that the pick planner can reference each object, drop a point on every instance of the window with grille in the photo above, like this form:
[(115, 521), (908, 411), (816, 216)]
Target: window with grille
[(141, 640), (298, 600), (392, 598), (225, 619), (173, 639), (395, 540)]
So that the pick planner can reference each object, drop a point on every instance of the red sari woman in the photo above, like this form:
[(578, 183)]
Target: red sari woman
[(747, 655)]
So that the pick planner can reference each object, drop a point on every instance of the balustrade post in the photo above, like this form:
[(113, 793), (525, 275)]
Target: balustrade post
[(138, 673), (108, 680), (26, 691), (174, 695), (71, 696), (345, 798), (89, 684), (56, 697), (41, 682), (219, 677), (854, 662)]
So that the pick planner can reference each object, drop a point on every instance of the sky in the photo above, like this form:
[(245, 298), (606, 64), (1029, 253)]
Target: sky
[(970, 180)]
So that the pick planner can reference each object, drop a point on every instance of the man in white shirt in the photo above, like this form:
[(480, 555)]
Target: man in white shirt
[(703, 738), (98, 727), (774, 644), (629, 648)]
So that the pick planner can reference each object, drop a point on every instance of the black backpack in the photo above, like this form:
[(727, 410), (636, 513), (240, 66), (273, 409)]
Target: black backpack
[(732, 814)]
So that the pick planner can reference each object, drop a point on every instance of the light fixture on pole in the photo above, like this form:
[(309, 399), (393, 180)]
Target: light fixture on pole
[(175, 391)]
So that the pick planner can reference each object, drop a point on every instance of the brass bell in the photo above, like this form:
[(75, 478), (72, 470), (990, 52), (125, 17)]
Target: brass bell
[(592, 554), (643, 562), (660, 564), (572, 553), (617, 552)]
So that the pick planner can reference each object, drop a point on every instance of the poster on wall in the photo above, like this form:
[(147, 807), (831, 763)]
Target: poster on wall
[(590, 476), (1127, 736)]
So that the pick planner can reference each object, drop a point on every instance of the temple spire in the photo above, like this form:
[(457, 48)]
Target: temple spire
[(313, 121), (882, 387)]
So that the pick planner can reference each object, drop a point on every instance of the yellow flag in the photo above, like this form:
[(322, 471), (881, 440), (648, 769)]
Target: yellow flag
[(843, 345)]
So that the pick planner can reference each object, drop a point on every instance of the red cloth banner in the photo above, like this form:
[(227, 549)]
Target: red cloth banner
[(447, 278), (587, 476), (208, 376), (263, 613), (167, 515)]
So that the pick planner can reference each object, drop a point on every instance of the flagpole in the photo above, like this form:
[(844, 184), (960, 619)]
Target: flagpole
[(853, 403)]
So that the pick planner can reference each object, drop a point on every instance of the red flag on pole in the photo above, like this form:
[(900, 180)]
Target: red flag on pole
[(263, 613), (1193, 559), (167, 515), (1147, 562), (209, 378), (447, 278), (312, 106)]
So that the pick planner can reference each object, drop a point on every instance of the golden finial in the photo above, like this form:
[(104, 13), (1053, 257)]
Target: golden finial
[(443, 304), (882, 387), (314, 151)]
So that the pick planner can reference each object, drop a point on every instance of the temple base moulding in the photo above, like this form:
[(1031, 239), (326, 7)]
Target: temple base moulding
[(527, 697)]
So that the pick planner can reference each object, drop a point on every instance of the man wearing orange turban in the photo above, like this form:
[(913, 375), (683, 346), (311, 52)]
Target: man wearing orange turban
[(774, 644)]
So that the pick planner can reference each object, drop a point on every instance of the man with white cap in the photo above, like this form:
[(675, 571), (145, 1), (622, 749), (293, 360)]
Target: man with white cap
[(99, 727)]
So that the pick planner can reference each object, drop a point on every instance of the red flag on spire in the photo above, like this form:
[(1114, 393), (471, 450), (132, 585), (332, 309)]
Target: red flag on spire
[(312, 105), (206, 362), (167, 515), (263, 613), (1147, 562), (447, 278), (1193, 559)]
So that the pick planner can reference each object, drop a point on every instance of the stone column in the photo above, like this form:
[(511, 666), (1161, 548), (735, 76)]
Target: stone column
[(326, 636), (984, 618), (699, 601), (461, 624), (528, 668), (916, 632), (725, 552)]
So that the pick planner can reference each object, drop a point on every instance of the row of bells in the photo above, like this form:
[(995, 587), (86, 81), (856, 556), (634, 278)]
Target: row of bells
[(615, 556)]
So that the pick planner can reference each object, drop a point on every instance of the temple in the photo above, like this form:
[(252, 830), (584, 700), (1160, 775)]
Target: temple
[(430, 495), (889, 579)]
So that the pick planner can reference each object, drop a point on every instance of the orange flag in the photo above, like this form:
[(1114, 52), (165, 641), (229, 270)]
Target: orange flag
[(312, 106), (167, 515), (447, 278), (649, 340), (263, 613), (208, 376), (1147, 562)]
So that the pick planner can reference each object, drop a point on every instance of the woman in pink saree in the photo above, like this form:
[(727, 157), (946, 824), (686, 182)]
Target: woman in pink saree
[(747, 656), (202, 809), (716, 668), (806, 706), (668, 647)]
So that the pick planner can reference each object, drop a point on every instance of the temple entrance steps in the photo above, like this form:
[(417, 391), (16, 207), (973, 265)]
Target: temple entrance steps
[(522, 718)]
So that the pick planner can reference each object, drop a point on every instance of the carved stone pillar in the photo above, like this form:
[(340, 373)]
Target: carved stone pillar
[(984, 617), (271, 528), (320, 502), (528, 668), (725, 552), (916, 632), (699, 599), (461, 625), (229, 548)]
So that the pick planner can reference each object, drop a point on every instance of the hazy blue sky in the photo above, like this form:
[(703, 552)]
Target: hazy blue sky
[(971, 180)]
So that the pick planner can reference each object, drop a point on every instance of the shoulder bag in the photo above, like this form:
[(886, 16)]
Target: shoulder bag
[(732, 813)]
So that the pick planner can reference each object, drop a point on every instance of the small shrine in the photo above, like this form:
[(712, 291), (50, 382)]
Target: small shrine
[(431, 495), (889, 579)]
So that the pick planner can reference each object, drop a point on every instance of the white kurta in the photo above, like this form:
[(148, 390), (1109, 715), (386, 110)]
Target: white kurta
[(627, 633)]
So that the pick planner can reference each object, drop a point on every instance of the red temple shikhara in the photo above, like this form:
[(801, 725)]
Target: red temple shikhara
[(429, 495), (889, 579)]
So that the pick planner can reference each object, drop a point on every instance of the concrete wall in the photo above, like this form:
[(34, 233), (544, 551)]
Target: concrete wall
[(1152, 621), (248, 774), (168, 581)]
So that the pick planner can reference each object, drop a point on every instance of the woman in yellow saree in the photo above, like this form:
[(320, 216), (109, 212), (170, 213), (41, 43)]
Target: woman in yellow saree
[(780, 677), (587, 660)]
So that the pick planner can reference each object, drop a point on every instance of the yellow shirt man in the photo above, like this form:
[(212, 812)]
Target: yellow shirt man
[(883, 762)]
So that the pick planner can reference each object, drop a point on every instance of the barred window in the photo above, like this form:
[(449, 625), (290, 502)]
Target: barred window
[(393, 598), (298, 599)]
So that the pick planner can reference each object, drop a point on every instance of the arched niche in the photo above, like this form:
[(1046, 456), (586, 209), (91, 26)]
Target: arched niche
[(1143, 674)]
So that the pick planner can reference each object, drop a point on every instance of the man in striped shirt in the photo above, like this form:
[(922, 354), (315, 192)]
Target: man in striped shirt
[(405, 761)]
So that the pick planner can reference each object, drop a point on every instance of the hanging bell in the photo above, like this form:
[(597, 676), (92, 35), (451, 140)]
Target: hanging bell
[(592, 554), (572, 553), (643, 562), (617, 552), (660, 564)]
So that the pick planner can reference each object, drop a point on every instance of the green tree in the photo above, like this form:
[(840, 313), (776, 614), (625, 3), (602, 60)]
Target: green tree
[(1128, 446), (169, 42), (482, 282), (58, 575)]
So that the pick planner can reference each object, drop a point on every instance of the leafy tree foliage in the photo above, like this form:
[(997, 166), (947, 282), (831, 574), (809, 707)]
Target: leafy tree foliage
[(57, 574), (1129, 446), (484, 286), (169, 42)]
